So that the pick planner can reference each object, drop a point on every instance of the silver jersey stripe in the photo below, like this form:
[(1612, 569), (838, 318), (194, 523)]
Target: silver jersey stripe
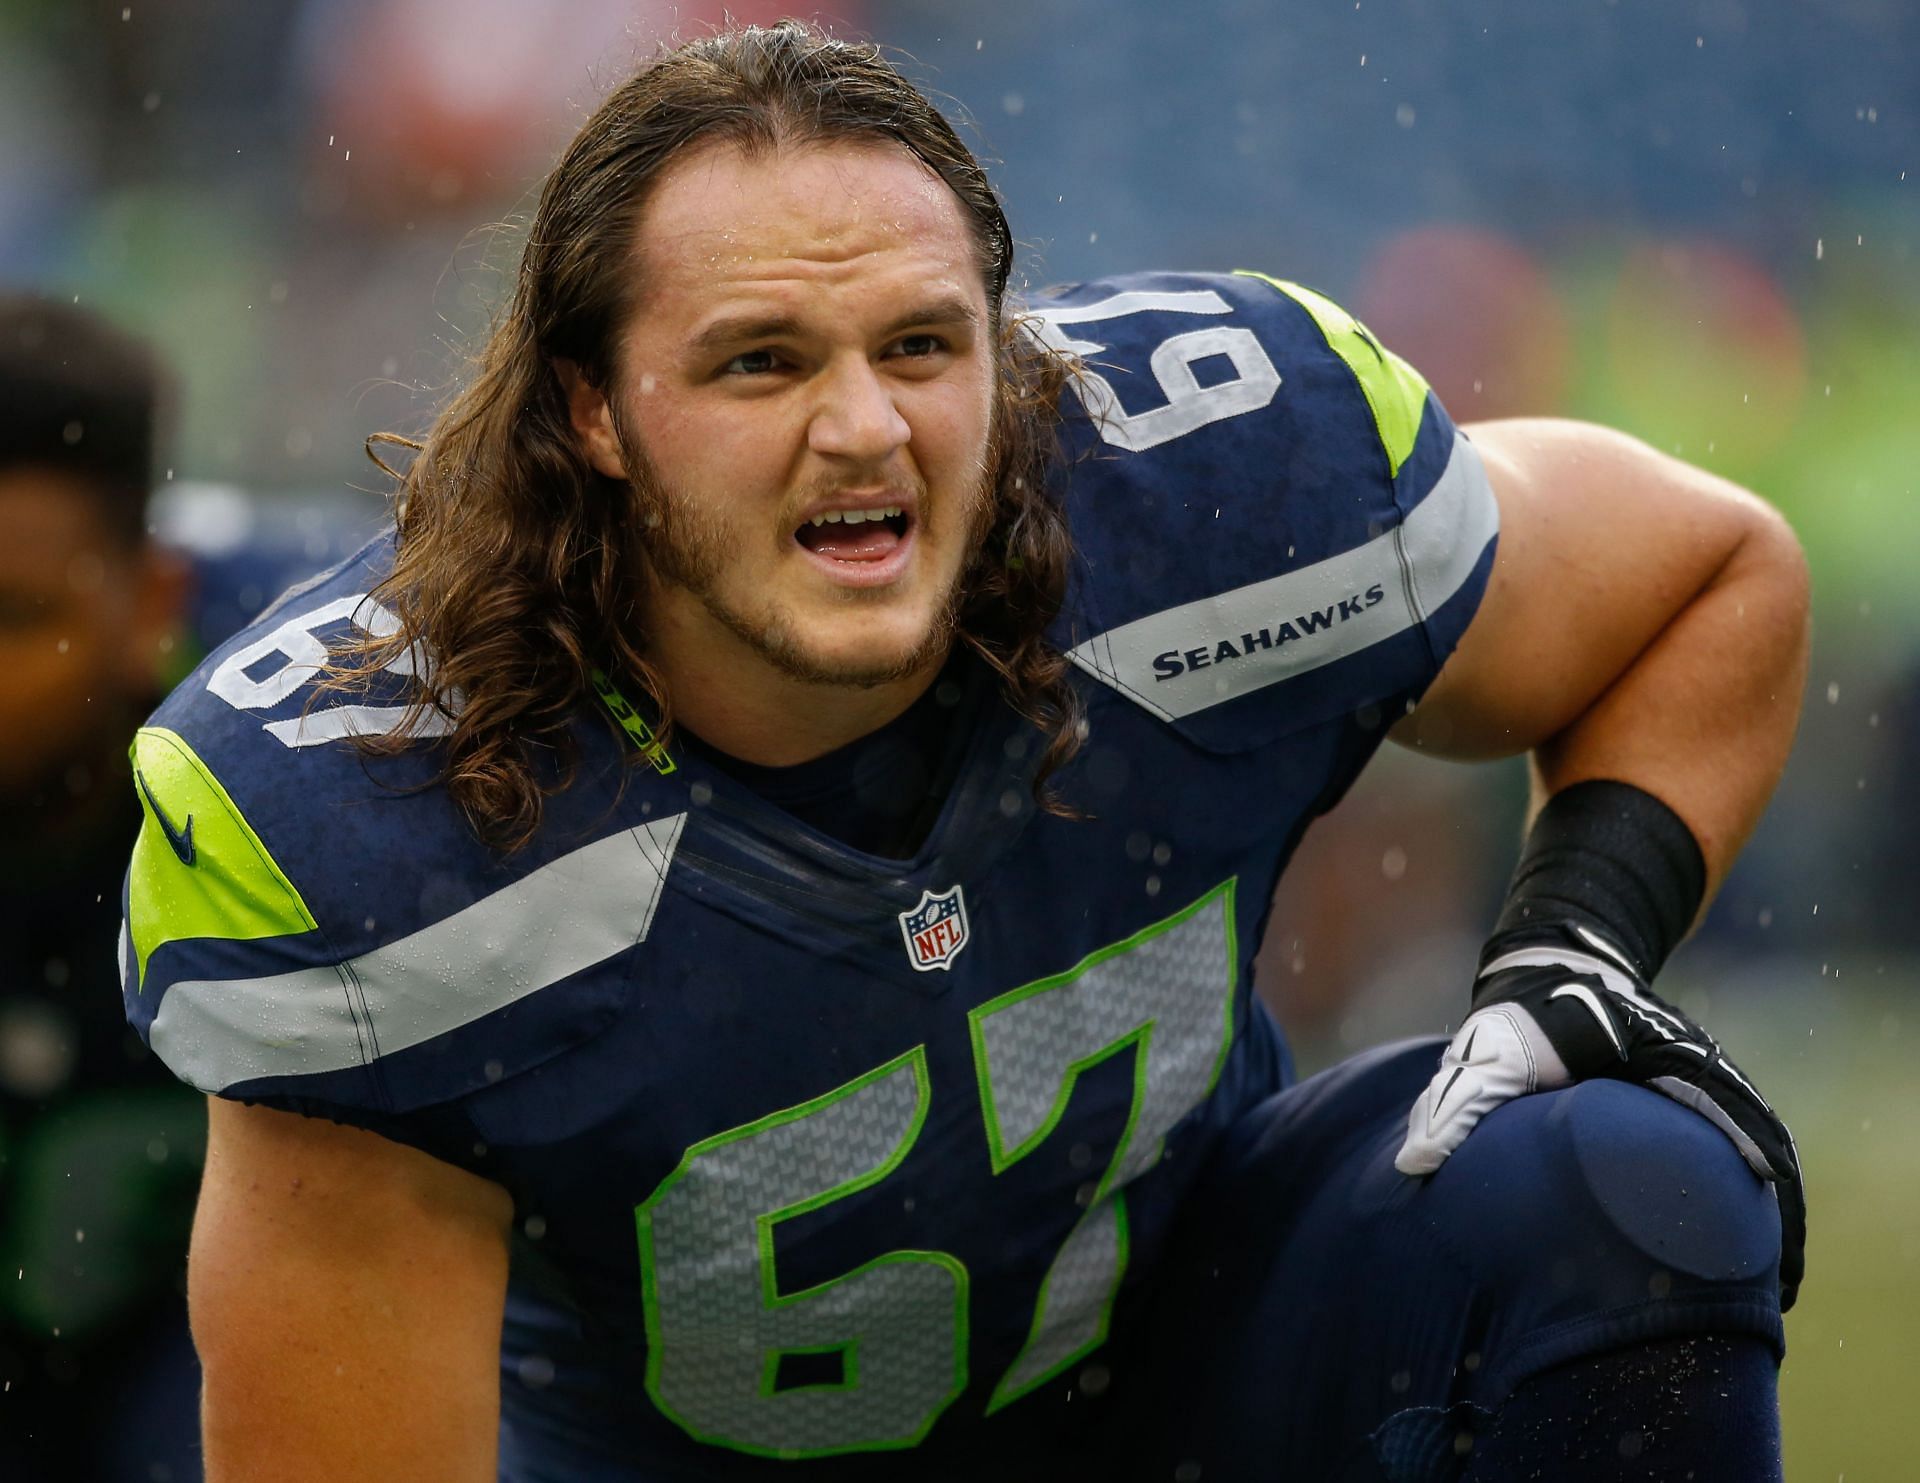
[(1333, 608), (331, 723), (568, 915)]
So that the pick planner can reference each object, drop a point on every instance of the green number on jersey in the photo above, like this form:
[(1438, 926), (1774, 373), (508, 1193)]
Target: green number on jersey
[(718, 1325), (1166, 992)]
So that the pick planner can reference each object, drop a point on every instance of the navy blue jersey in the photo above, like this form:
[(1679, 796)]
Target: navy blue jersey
[(817, 1154)]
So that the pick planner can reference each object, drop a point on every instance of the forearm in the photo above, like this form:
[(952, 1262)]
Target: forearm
[(1704, 716)]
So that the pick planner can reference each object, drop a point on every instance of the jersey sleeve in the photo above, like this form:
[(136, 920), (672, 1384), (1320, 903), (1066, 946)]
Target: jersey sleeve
[(1278, 524), (306, 933)]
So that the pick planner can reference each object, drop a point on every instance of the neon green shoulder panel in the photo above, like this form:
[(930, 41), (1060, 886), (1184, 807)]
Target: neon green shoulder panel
[(1394, 390), (198, 869)]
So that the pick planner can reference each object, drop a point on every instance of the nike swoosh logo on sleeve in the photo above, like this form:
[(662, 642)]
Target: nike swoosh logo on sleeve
[(181, 840)]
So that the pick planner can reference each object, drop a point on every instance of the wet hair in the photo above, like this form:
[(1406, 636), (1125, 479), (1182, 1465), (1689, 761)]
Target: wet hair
[(518, 565), (81, 398)]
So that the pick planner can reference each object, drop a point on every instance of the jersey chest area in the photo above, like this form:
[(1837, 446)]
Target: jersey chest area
[(776, 967), (946, 1109)]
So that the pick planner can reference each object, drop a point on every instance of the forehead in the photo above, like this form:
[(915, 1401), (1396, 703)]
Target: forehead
[(722, 221)]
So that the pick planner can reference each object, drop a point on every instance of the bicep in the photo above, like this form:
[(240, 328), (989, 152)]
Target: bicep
[(1603, 542), (346, 1295)]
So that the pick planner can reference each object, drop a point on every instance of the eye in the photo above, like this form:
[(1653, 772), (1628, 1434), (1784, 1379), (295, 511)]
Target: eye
[(918, 347), (751, 363)]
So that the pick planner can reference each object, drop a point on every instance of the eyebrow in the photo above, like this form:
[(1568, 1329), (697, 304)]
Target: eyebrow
[(741, 328)]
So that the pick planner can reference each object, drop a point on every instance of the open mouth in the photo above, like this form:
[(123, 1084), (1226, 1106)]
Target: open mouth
[(856, 535)]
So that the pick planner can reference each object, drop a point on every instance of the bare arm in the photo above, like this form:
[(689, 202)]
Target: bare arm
[(346, 1294), (1645, 622)]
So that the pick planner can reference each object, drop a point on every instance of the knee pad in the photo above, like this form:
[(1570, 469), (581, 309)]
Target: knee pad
[(1605, 1214)]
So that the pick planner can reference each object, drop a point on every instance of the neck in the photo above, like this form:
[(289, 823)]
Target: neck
[(739, 703)]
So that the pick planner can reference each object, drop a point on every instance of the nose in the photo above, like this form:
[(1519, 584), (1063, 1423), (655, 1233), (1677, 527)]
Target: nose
[(856, 418)]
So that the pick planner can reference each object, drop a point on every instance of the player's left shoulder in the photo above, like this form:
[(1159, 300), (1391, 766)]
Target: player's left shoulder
[(1266, 502)]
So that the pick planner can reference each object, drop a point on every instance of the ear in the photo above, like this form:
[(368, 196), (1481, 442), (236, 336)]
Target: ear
[(592, 420), (160, 582)]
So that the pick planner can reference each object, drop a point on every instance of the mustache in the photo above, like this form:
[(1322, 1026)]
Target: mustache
[(896, 489)]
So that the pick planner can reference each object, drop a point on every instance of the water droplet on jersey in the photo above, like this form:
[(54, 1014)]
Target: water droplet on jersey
[(536, 1371)]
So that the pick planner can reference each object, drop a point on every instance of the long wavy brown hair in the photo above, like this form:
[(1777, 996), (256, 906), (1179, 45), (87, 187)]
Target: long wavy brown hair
[(518, 566)]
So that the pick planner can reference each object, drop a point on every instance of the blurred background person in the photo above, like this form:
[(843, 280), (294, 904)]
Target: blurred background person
[(99, 1155)]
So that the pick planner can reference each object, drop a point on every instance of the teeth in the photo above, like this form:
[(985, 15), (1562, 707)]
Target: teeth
[(855, 517)]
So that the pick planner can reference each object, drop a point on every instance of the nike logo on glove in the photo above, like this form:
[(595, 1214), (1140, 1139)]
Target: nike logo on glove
[(1592, 1000), (1514, 1058), (181, 840)]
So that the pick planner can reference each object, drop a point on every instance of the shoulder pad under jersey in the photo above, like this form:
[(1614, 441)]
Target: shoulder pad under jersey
[(1275, 521), (315, 929)]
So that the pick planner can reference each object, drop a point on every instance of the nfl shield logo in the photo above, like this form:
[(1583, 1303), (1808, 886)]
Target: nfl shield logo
[(935, 930)]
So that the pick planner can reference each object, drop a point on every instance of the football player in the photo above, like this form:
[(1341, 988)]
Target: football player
[(720, 945)]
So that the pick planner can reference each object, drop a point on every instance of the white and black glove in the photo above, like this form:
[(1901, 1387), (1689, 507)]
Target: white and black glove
[(1561, 1005)]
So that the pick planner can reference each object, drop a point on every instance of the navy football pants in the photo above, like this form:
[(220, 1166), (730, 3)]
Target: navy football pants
[(1323, 1317)]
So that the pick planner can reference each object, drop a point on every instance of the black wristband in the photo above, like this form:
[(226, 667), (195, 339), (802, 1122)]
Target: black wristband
[(1614, 859)]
